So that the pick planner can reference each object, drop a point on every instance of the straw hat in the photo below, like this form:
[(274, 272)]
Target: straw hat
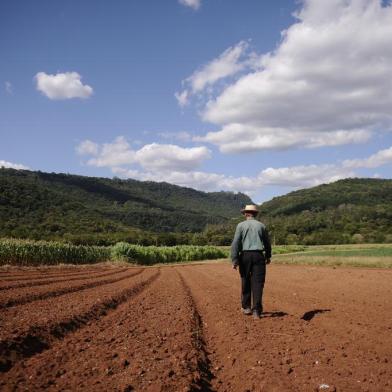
[(250, 208)]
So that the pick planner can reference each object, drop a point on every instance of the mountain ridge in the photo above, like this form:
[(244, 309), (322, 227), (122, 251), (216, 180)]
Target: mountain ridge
[(46, 205), (354, 210), (348, 210), (100, 210)]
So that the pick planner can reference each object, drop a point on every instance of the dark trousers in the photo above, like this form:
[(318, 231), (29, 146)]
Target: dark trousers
[(252, 271)]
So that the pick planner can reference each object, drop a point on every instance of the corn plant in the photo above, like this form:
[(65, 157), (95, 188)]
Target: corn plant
[(30, 253), (149, 255)]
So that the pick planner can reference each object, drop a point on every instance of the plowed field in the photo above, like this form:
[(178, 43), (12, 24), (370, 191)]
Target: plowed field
[(179, 328)]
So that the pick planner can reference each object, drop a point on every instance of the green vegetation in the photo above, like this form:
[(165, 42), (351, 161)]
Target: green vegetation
[(152, 254), (283, 249), (372, 255), (102, 211), (347, 211), (375, 252), (33, 253), (276, 250), (351, 211)]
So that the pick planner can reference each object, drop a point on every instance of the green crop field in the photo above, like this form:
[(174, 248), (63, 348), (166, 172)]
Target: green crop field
[(34, 253), (351, 255), (368, 255), (148, 255)]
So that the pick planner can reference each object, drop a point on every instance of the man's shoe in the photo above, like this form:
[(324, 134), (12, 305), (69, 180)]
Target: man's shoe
[(256, 314), (246, 311)]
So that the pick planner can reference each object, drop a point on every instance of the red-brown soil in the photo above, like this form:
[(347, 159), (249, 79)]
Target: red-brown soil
[(179, 328)]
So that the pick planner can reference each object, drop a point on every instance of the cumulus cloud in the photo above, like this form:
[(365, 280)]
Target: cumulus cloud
[(11, 165), (329, 82), (227, 64), (243, 137), (230, 62), (87, 147), (178, 165), (171, 157), (62, 85), (160, 157), (200, 180), (303, 176), (117, 153), (195, 4), (294, 177), (378, 159)]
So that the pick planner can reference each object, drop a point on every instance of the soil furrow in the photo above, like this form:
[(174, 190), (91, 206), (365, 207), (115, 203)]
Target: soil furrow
[(243, 350), (146, 344), (322, 329), (285, 352), (40, 338), (21, 298), (203, 382), (55, 275), (46, 281)]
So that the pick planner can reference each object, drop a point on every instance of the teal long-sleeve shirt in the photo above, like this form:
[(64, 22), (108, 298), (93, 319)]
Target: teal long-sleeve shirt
[(250, 235)]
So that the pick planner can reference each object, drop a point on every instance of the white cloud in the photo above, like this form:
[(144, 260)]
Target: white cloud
[(380, 158), (195, 4), (11, 165), (171, 157), (182, 98), (87, 147), (243, 137), (329, 82), (303, 176), (117, 153), (227, 64), (8, 87), (162, 157), (62, 85), (230, 62), (203, 181), (177, 165), (294, 177)]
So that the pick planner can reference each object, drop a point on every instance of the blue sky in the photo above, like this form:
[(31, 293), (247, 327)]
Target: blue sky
[(255, 96)]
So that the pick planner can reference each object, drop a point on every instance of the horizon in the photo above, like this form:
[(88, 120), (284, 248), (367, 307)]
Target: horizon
[(198, 190), (262, 99)]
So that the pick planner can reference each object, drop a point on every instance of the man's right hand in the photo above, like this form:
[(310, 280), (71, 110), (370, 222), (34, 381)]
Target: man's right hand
[(268, 261), (235, 266)]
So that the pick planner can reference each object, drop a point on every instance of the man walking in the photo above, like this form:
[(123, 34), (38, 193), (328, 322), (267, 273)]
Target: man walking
[(251, 251)]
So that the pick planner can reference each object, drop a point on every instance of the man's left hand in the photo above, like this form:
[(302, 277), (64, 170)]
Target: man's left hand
[(235, 266)]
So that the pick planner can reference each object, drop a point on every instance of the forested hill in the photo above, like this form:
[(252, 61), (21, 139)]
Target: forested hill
[(43, 205), (350, 210)]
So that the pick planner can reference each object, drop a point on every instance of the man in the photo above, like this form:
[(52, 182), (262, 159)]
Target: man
[(251, 251)]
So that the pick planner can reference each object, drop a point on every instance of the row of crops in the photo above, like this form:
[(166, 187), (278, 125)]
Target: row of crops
[(32, 253), (164, 254)]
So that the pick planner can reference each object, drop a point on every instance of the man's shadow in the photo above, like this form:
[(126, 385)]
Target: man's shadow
[(309, 315), (274, 314)]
